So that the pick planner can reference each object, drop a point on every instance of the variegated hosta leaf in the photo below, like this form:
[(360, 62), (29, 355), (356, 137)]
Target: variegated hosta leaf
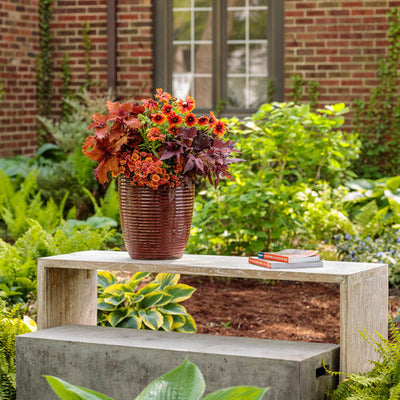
[(167, 279), (105, 279), (167, 324), (137, 278), (133, 322), (116, 289), (165, 299), (149, 288), (151, 300), (189, 326), (115, 317), (151, 318), (179, 320), (180, 292), (103, 306), (133, 297), (173, 309), (114, 300)]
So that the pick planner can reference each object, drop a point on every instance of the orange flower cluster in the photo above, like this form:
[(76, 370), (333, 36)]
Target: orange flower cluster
[(158, 143), (145, 169)]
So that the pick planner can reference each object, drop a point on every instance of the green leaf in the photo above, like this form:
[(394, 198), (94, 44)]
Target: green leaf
[(137, 278), (185, 382), (360, 184), (167, 279), (167, 324), (173, 309), (151, 318), (133, 322), (149, 288), (180, 292), (151, 300), (179, 320), (67, 391), (238, 393), (115, 317), (189, 326), (101, 305), (105, 279), (115, 300), (393, 183)]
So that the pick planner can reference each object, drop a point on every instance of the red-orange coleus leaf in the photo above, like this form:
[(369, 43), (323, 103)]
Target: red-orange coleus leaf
[(105, 151), (100, 125)]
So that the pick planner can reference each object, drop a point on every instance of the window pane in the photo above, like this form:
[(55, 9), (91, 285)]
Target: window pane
[(203, 59), (181, 58), (182, 85), (257, 93), (203, 92), (201, 3), (179, 3), (236, 25), (203, 25), (236, 3), (236, 92), (236, 62), (258, 24), (258, 58), (258, 3), (181, 25)]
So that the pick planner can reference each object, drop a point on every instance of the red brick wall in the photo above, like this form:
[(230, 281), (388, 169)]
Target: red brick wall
[(19, 45), (134, 45), (337, 43), (135, 49)]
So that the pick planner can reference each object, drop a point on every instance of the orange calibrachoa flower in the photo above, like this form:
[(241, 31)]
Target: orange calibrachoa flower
[(159, 143), (154, 134)]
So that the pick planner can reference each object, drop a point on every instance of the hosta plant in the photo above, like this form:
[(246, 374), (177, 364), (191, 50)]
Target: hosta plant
[(135, 304), (185, 382)]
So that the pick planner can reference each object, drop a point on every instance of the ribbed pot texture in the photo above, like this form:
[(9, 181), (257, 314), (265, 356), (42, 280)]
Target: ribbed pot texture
[(155, 223)]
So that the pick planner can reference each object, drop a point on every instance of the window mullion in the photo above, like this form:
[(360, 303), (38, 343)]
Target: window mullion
[(219, 50)]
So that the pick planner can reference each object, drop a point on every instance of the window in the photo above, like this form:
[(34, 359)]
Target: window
[(222, 52)]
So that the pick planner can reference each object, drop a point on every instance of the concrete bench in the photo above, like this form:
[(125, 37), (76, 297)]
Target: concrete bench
[(122, 362), (67, 291)]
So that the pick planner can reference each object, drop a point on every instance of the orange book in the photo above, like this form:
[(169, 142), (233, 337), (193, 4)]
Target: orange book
[(281, 265)]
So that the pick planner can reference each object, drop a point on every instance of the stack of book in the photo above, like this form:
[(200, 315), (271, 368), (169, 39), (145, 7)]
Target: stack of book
[(288, 258)]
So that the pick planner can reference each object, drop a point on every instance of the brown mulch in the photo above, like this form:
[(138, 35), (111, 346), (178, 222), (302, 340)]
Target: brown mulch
[(282, 310)]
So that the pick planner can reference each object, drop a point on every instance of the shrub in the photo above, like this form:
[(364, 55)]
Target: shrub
[(292, 156), (185, 382), (19, 204), (374, 205), (383, 381), (384, 249), (11, 325), (152, 306), (18, 261)]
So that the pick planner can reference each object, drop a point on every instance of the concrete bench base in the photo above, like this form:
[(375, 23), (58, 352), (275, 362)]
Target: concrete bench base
[(121, 362)]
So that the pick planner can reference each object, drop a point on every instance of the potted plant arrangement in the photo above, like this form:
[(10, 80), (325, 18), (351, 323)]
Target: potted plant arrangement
[(157, 149)]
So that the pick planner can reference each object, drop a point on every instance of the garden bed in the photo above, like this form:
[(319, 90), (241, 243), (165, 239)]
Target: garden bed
[(270, 310)]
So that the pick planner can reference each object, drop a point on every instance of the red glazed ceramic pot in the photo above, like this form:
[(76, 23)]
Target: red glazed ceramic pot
[(155, 223)]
